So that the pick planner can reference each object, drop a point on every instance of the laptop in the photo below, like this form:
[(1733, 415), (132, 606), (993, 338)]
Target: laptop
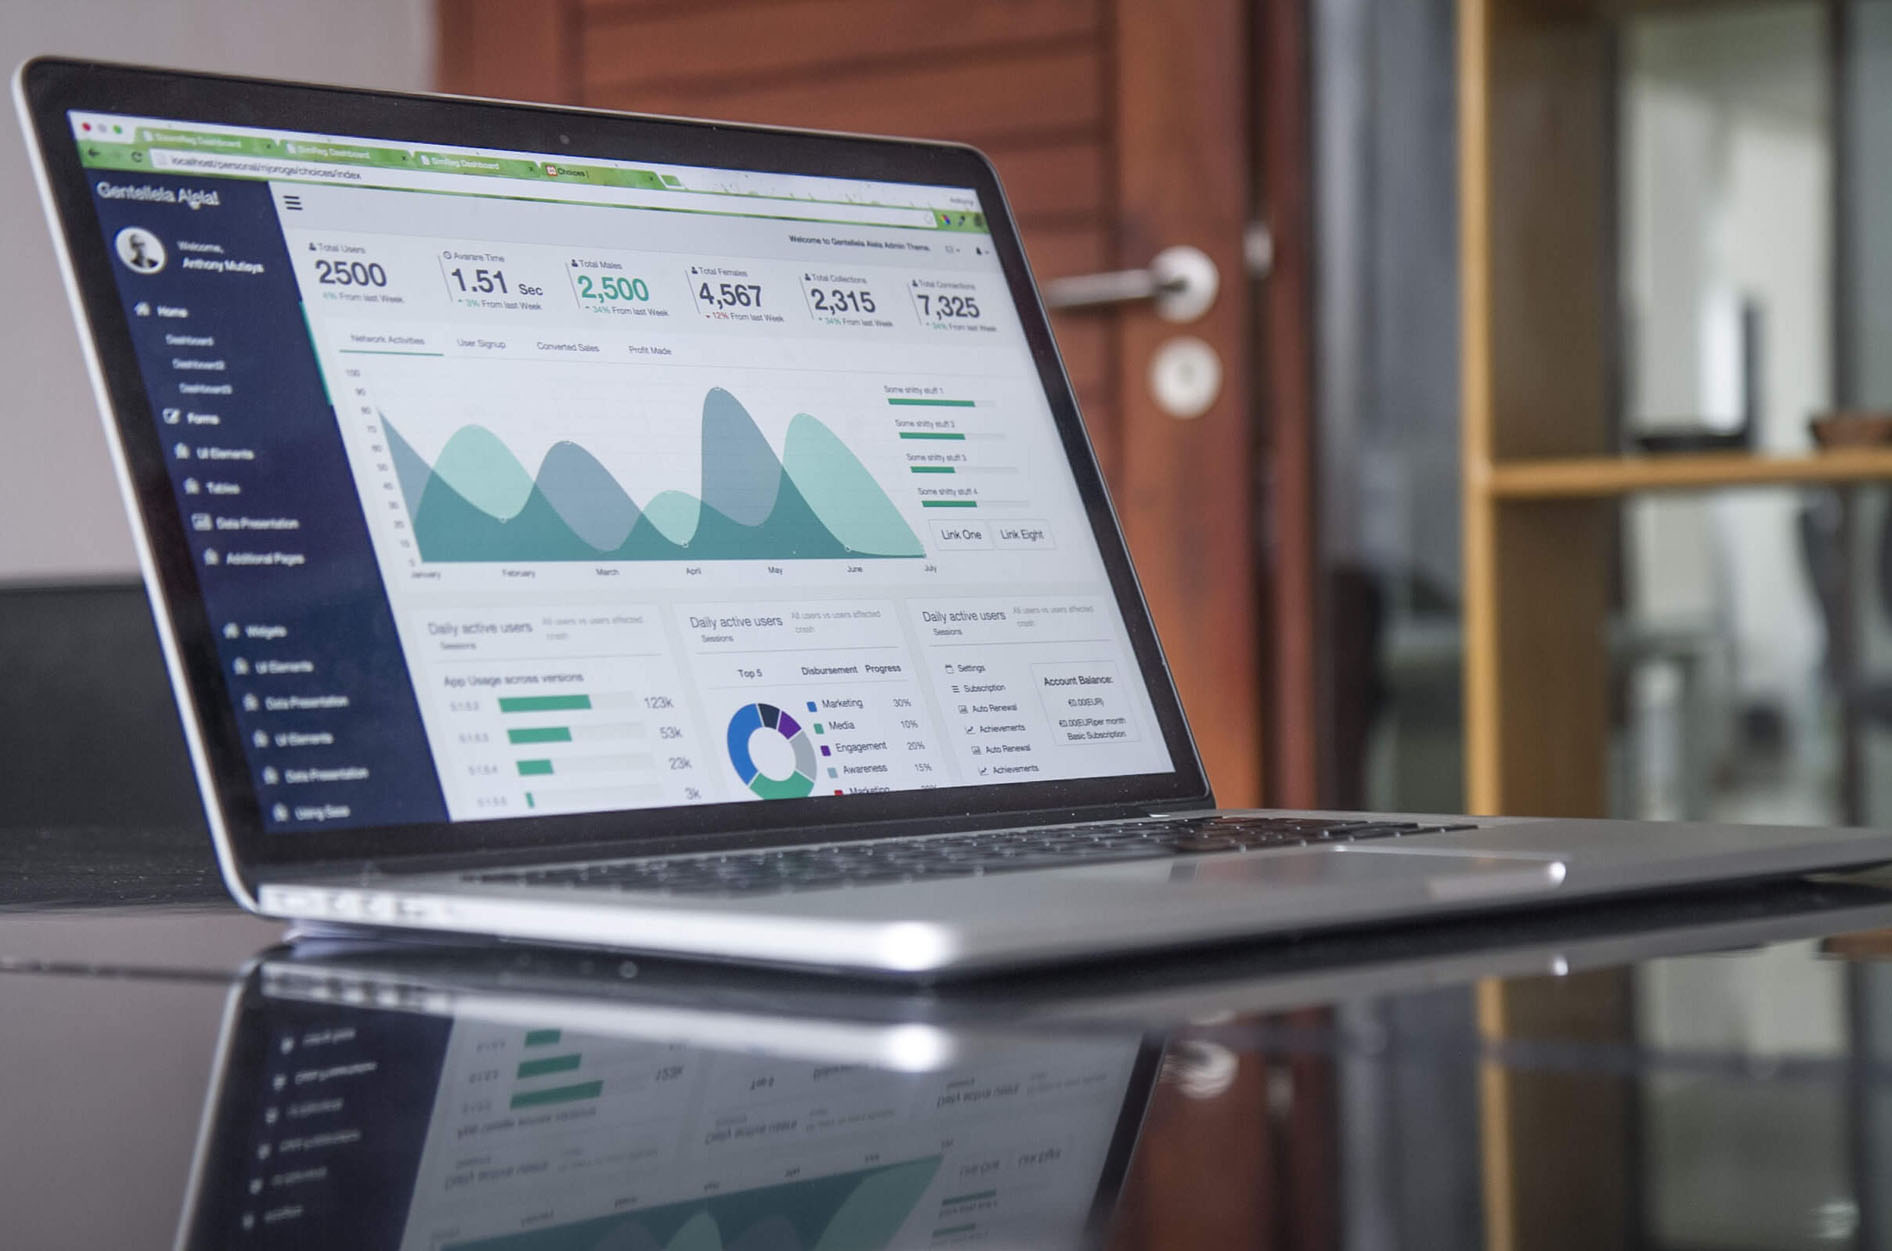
[(674, 536)]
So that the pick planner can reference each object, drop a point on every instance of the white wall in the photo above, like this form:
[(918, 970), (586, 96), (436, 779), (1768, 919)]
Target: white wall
[(1727, 194), (60, 515)]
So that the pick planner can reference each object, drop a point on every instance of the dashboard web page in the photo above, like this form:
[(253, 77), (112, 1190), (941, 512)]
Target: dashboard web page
[(519, 485)]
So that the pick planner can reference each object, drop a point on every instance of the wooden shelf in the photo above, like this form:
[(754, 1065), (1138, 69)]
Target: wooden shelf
[(1598, 477)]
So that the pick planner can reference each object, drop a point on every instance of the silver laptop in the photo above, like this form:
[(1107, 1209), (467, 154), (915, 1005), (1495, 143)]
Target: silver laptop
[(672, 536)]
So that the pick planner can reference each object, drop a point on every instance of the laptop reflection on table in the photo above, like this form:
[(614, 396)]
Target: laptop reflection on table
[(363, 1109), (412, 1096)]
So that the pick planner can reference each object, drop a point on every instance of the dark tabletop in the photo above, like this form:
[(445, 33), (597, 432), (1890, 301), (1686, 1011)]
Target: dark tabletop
[(1706, 1071)]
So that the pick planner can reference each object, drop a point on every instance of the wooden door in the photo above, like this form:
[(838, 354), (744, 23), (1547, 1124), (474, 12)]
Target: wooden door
[(1120, 127)]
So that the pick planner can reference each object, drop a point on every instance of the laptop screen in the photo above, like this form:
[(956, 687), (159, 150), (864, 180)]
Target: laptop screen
[(519, 485)]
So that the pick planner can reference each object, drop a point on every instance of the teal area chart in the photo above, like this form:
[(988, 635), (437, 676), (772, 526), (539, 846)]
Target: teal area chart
[(477, 503), (768, 718), (859, 1211)]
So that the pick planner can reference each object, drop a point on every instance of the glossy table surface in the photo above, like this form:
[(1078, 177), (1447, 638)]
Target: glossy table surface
[(1707, 1071)]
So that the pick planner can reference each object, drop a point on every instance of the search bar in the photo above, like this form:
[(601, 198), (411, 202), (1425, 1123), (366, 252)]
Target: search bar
[(626, 197)]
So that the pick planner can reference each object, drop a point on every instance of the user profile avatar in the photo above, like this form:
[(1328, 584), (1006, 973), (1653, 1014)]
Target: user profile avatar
[(140, 249)]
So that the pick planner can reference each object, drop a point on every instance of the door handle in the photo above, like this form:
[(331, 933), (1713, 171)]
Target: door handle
[(1181, 282)]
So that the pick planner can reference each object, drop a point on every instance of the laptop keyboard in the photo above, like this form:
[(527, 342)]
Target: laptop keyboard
[(954, 855)]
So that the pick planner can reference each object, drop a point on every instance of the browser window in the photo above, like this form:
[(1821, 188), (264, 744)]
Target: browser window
[(521, 485)]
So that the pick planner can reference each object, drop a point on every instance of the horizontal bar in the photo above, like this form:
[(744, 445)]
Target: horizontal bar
[(544, 703), (534, 768), (932, 434), (543, 1037), (549, 1064), (949, 503), (557, 1094), (908, 402), (540, 734), (594, 799)]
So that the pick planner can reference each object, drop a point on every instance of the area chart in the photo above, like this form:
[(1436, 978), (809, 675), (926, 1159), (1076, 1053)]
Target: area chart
[(477, 503)]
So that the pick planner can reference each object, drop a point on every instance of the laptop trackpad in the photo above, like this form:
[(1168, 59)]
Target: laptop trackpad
[(1444, 874)]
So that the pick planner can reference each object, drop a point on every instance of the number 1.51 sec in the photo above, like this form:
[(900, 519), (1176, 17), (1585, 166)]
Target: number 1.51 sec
[(488, 281)]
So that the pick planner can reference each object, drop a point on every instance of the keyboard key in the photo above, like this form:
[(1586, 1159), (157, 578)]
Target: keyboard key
[(1200, 844)]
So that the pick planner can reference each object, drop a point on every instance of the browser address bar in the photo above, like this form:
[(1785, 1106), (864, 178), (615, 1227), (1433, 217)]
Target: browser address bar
[(628, 197)]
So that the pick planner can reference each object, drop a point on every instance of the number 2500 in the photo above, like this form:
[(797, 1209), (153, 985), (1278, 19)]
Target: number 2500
[(351, 274)]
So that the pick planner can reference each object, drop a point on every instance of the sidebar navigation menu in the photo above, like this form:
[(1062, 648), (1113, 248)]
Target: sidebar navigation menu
[(305, 635)]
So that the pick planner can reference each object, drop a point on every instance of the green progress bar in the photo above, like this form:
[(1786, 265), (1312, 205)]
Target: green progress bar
[(932, 468), (534, 768), (530, 802), (976, 1195), (932, 434), (949, 503), (899, 402), (550, 1064), (542, 1037), (544, 703), (540, 734), (557, 1094)]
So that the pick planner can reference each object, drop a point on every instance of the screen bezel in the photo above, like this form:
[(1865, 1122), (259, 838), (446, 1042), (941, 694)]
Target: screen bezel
[(50, 88)]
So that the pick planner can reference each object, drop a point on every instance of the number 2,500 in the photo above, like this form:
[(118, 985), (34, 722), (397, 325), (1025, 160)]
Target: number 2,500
[(612, 288)]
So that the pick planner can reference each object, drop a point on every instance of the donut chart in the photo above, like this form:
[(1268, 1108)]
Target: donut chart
[(753, 717)]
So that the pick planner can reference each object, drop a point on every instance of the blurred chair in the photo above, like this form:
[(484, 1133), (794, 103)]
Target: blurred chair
[(1826, 550), (89, 733), (1675, 641)]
